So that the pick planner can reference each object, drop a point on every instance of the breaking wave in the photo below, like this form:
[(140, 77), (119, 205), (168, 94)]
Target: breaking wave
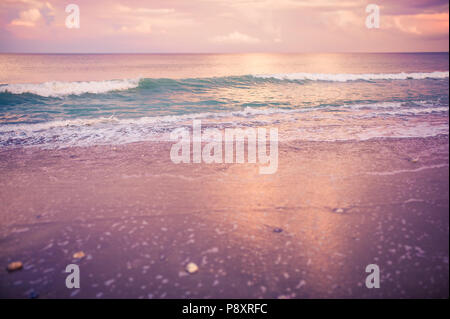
[(60, 89), (344, 77)]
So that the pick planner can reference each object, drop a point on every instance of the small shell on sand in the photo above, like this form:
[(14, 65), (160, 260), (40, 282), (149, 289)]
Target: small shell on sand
[(191, 268), (79, 255), (16, 265)]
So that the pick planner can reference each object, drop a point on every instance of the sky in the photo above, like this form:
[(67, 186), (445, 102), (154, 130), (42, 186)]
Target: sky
[(227, 26)]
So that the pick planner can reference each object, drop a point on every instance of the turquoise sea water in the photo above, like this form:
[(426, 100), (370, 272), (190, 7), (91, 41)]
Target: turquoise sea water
[(80, 100)]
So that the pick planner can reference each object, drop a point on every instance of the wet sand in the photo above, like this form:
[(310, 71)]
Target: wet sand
[(140, 219)]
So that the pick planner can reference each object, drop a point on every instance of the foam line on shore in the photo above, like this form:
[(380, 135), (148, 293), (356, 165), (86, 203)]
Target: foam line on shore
[(400, 171)]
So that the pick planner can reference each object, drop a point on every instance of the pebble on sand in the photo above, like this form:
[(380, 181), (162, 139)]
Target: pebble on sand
[(338, 210), (79, 255), (191, 268), (277, 230), (16, 265)]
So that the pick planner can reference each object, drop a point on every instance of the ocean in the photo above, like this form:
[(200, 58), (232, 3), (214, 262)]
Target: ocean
[(64, 100)]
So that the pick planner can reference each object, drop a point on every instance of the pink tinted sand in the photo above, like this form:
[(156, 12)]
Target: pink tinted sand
[(140, 219)]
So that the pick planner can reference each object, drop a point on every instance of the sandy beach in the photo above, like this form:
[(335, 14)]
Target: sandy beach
[(216, 156), (307, 231)]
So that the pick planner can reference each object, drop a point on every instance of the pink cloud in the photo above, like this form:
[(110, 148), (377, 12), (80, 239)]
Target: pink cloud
[(223, 26), (27, 18), (235, 38)]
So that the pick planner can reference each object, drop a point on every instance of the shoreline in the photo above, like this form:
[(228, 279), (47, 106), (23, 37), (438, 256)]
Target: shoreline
[(140, 219)]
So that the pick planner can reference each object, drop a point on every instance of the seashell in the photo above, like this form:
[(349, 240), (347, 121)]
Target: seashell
[(191, 268), (16, 265), (78, 255)]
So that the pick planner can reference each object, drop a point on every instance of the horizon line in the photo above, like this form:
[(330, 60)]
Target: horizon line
[(205, 53)]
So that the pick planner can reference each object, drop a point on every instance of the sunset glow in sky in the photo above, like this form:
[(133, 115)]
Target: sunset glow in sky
[(223, 26)]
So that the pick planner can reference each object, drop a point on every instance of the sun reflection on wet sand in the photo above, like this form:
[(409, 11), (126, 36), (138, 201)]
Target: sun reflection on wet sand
[(251, 235)]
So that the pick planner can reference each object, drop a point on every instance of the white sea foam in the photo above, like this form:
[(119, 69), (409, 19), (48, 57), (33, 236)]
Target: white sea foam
[(167, 119), (344, 77), (408, 171), (357, 122), (58, 89), (369, 110)]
